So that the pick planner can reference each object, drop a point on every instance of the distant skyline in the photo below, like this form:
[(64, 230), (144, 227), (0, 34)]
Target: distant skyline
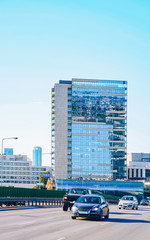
[(43, 41)]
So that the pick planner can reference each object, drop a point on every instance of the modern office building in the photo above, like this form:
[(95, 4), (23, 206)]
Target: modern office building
[(89, 129), (17, 171), (138, 166), (37, 156)]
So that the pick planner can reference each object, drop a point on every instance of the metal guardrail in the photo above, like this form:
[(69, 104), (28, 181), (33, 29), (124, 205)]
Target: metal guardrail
[(5, 202)]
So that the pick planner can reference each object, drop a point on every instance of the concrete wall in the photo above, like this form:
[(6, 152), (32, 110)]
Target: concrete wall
[(61, 130)]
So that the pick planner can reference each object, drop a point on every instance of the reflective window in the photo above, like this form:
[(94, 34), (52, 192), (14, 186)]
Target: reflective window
[(99, 148), (89, 200)]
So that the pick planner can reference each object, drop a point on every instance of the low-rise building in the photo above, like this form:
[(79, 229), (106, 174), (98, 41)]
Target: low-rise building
[(17, 171), (138, 166)]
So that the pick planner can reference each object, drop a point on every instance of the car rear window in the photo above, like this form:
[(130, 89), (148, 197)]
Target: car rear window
[(127, 198), (78, 191)]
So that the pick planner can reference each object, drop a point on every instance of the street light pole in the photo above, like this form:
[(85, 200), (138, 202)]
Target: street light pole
[(7, 139)]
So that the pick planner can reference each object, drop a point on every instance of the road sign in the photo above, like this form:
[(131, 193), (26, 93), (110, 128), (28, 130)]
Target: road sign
[(40, 184), (47, 175)]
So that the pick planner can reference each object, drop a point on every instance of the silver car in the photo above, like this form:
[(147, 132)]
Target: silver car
[(128, 202)]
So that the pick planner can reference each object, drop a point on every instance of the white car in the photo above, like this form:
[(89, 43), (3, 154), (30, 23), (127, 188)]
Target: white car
[(128, 202)]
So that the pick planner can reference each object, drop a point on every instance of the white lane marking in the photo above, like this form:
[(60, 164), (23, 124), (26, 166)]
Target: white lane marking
[(27, 223), (62, 238)]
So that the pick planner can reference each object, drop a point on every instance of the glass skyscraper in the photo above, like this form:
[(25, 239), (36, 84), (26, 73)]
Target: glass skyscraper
[(8, 151), (89, 129), (37, 156)]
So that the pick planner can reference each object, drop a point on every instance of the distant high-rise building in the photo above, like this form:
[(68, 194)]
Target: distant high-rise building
[(89, 129), (37, 156), (8, 151)]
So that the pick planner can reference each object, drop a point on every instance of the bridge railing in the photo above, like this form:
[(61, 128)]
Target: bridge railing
[(5, 202)]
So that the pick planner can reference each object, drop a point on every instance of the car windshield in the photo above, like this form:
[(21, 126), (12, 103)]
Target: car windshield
[(89, 200), (78, 191), (127, 198)]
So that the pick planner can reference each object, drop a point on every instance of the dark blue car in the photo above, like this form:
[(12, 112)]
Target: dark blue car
[(90, 206)]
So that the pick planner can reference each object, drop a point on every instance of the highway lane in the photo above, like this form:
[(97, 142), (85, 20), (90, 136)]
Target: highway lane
[(54, 224)]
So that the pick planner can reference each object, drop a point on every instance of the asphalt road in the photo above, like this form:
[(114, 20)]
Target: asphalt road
[(47, 223)]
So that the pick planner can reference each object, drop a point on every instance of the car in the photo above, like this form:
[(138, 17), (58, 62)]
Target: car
[(90, 206), (128, 202), (145, 201), (74, 193)]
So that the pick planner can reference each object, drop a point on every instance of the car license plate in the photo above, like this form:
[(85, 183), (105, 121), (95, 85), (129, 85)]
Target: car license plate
[(83, 212)]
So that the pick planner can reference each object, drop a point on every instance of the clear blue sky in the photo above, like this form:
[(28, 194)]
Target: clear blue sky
[(42, 41)]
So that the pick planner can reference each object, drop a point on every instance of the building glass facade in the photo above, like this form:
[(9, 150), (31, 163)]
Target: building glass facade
[(8, 151), (90, 155), (97, 128), (37, 156)]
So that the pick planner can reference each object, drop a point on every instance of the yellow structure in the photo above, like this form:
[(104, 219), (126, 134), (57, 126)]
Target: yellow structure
[(50, 184)]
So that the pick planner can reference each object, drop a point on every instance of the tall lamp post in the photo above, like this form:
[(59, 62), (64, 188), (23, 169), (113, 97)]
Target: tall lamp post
[(7, 139)]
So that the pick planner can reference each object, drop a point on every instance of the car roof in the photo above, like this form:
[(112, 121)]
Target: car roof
[(128, 196), (91, 195)]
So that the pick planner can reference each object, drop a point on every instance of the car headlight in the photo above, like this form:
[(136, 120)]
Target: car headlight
[(95, 208), (65, 198), (74, 209)]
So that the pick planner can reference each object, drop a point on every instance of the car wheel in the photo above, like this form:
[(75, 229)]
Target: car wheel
[(73, 217), (107, 216), (119, 207), (65, 207)]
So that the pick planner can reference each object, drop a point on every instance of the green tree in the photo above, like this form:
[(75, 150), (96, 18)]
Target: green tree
[(44, 179), (35, 187)]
